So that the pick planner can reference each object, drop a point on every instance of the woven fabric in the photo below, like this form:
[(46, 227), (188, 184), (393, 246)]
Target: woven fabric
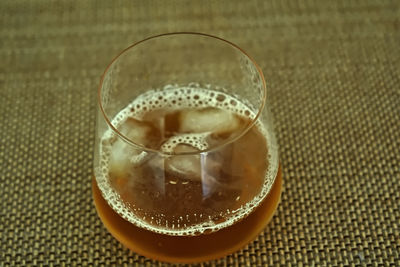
[(333, 73)]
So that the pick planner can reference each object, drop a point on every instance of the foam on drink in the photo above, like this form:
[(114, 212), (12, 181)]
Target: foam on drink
[(206, 118)]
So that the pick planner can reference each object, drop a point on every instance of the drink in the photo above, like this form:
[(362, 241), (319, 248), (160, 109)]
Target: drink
[(188, 172), (202, 188)]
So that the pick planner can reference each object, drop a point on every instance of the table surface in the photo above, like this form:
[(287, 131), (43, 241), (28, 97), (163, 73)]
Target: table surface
[(333, 73)]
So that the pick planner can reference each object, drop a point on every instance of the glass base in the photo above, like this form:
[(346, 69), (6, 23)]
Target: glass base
[(189, 249)]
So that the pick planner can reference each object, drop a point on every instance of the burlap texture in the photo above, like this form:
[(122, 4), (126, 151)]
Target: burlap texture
[(333, 71)]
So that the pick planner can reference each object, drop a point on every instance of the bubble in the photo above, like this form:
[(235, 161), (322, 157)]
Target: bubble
[(196, 232), (220, 97), (207, 231), (208, 120)]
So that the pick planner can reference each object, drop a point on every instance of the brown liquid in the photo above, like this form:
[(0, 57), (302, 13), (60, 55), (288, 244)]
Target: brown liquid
[(187, 208), (189, 194), (188, 249)]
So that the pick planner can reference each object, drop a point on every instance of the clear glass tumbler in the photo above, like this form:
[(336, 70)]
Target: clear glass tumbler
[(186, 162)]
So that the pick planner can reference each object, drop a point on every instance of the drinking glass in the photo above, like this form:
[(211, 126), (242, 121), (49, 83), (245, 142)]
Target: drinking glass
[(186, 162)]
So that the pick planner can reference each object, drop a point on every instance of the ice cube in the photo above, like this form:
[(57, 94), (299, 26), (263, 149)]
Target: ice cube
[(208, 120), (124, 155), (155, 168), (135, 130), (188, 166), (120, 159), (211, 170)]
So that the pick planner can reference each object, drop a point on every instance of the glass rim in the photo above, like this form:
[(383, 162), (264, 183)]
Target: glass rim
[(214, 148)]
